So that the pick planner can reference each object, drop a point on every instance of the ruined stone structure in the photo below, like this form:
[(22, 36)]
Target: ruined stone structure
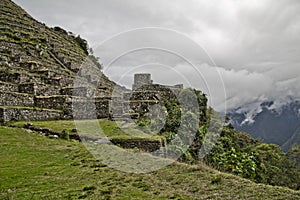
[(38, 66), (140, 80), (145, 95)]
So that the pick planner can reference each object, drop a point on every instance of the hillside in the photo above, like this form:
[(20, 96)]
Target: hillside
[(271, 125), (36, 167), (38, 66), (294, 140)]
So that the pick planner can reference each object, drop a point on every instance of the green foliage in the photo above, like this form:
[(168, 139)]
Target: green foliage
[(65, 135), (239, 163), (95, 60), (110, 128), (173, 116), (294, 155), (143, 122), (60, 30), (169, 136), (217, 180), (82, 43), (275, 168), (238, 153)]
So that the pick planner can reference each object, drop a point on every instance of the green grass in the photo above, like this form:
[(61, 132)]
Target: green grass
[(90, 128), (35, 167)]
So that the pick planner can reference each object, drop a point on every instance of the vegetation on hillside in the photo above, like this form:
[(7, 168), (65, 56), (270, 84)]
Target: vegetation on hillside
[(235, 152), (35, 167), (83, 44)]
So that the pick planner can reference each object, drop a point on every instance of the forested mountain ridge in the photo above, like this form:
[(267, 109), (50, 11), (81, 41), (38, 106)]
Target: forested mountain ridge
[(270, 123)]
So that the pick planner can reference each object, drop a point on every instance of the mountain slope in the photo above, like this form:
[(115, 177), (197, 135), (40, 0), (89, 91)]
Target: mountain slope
[(294, 140), (271, 124)]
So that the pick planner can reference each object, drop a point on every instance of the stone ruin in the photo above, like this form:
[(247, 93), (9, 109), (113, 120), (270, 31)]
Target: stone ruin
[(38, 66), (21, 99), (145, 95), (43, 91)]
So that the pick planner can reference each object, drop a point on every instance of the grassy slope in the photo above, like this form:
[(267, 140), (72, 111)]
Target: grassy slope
[(110, 128), (35, 167)]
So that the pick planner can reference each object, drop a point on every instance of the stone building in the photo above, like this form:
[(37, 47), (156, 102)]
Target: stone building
[(140, 80), (145, 95)]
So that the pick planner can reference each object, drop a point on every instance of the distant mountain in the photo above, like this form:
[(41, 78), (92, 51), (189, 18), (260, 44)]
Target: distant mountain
[(295, 139), (270, 122)]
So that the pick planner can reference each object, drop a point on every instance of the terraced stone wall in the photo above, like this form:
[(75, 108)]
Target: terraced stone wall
[(16, 114)]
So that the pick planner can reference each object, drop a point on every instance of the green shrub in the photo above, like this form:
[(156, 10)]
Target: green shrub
[(65, 135), (144, 122), (95, 61), (82, 44), (239, 163)]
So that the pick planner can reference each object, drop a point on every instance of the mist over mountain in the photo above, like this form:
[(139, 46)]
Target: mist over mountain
[(271, 122)]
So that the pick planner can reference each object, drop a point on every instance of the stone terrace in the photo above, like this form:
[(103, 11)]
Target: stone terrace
[(38, 66)]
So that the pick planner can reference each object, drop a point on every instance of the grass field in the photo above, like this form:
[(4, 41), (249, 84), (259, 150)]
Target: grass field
[(36, 167), (91, 127)]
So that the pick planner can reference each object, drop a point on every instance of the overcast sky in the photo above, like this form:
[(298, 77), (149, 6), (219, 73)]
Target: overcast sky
[(254, 44)]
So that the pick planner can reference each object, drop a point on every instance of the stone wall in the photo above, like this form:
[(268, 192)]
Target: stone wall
[(10, 77), (164, 91), (140, 101), (56, 81), (7, 87), (46, 90), (18, 77), (88, 109), (17, 114), (51, 102), (74, 91), (140, 80), (28, 88), (143, 95), (102, 108), (16, 99), (38, 89), (143, 144)]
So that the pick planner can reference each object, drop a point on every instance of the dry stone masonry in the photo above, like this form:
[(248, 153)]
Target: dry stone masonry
[(38, 67)]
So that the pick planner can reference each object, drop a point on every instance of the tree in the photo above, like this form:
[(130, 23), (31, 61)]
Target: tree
[(82, 43)]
